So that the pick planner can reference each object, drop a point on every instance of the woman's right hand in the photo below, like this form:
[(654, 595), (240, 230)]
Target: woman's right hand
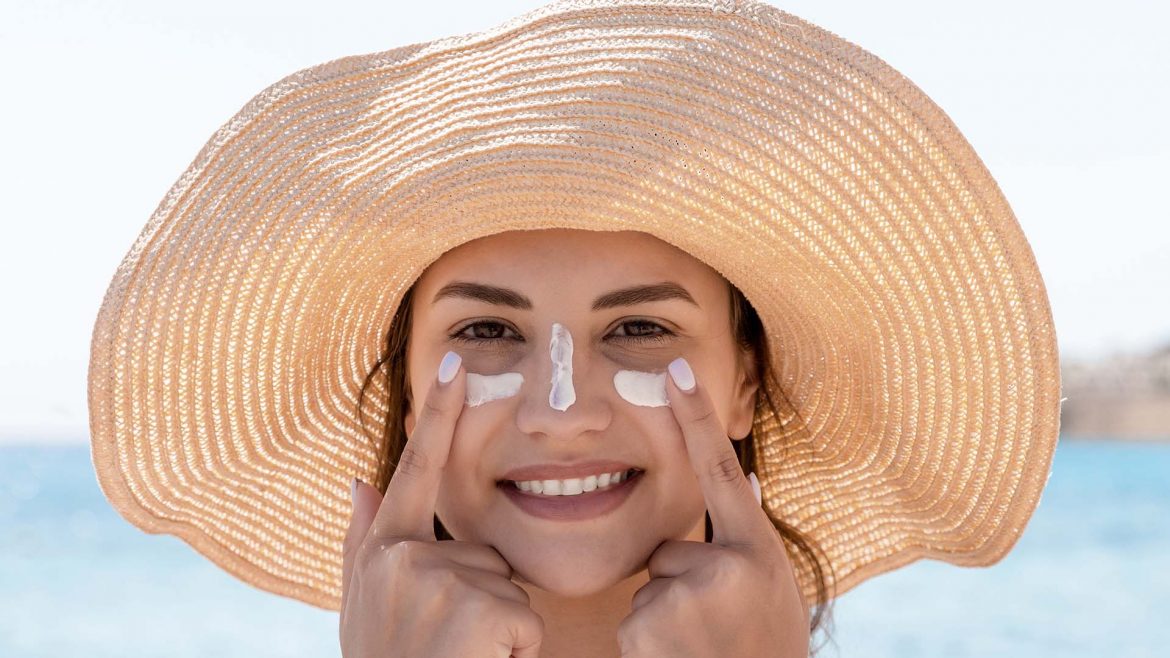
[(406, 594)]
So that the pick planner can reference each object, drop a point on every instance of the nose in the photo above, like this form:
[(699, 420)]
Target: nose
[(564, 400)]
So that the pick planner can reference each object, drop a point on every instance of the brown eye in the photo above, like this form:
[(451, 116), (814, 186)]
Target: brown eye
[(644, 330), (484, 331)]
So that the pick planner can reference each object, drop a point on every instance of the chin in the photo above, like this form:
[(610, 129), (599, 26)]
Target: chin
[(571, 569), (568, 580)]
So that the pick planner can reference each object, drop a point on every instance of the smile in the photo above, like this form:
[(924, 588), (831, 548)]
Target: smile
[(573, 486), (567, 506)]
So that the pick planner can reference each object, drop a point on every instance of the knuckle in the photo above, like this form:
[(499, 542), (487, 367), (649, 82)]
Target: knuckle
[(431, 411), (626, 635), (414, 461), (447, 582), (726, 468), (402, 554), (703, 416), (638, 598), (675, 593), (683, 603), (726, 567), (631, 639), (475, 603)]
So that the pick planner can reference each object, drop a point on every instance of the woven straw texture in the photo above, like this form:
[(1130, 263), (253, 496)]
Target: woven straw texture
[(909, 322)]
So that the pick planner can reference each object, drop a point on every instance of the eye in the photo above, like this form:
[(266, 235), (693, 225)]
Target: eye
[(640, 336), (494, 332), (494, 329)]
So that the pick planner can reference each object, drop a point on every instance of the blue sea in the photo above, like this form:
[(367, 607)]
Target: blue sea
[(1089, 577)]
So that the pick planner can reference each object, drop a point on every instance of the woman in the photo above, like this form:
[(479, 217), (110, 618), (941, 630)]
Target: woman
[(870, 339), (630, 303)]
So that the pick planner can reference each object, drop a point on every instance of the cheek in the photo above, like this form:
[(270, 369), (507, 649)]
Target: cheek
[(641, 389), (482, 389), (461, 492), (678, 503)]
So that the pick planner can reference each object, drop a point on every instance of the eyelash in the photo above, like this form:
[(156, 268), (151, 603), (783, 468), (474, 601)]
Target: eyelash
[(658, 337)]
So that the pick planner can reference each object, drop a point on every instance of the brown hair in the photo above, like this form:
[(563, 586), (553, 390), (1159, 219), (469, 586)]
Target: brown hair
[(750, 337)]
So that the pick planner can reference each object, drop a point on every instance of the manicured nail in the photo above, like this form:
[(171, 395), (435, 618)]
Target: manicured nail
[(756, 487), (449, 366), (353, 490), (681, 373)]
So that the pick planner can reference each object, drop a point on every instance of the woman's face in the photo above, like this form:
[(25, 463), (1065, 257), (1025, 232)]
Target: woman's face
[(554, 276)]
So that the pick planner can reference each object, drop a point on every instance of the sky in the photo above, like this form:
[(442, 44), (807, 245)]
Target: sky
[(106, 104)]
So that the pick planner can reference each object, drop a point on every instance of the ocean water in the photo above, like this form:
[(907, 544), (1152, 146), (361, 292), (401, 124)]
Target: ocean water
[(1089, 577)]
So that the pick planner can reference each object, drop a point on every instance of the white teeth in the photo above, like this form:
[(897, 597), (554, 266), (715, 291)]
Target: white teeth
[(571, 487)]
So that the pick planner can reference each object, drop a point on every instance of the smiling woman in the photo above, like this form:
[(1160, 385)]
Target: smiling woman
[(523, 258), (632, 301)]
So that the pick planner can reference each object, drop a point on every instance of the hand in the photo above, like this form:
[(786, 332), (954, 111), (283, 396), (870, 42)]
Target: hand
[(406, 594), (737, 595)]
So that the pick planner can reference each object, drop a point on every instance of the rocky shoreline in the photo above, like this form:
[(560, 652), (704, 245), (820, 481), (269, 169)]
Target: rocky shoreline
[(1126, 396)]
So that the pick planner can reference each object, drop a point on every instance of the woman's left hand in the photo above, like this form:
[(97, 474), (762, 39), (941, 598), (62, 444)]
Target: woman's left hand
[(737, 595)]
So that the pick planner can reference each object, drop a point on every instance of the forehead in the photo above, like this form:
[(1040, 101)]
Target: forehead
[(571, 258)]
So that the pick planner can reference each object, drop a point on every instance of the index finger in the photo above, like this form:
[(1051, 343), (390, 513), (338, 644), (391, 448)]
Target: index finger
[(736, 515), (407, 510)]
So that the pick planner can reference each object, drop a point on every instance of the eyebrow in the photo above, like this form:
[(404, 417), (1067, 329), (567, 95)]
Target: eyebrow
[(654, 292)]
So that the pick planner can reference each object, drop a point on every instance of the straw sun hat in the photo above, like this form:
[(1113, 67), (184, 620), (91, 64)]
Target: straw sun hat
[(910, 326)]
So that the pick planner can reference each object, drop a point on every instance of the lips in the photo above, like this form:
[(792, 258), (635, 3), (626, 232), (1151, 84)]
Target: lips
[(566, 471), (580, 507)]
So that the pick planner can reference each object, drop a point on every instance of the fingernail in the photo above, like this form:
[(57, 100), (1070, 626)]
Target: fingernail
[(449, 366), (681, 373), (756, 487), (353, 490)]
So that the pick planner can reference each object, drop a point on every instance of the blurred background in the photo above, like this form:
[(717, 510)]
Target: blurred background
[(107, 102)]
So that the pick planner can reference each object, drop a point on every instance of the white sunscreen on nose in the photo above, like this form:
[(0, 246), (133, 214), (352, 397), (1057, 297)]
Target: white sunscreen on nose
[(644, 389), (560, 348), (485, 388)]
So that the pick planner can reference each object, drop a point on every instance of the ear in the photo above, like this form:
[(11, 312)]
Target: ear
[(743, 402)]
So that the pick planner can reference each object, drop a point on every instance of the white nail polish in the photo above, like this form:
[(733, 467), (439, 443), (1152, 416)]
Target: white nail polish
[(682, 374), (644, 389), (449, 366), (756, 487), (560, 348)]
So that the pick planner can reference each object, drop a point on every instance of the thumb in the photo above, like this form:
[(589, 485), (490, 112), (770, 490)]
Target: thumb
[(366, 499)]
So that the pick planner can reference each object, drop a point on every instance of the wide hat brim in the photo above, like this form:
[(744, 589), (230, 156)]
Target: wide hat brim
[(908, 320)]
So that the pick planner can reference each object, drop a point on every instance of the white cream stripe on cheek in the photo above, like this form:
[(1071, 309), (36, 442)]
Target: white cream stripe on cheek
[(485, 388), (644, 389), (560, 348)]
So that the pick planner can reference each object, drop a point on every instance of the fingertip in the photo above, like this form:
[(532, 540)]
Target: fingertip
[(366, 498)]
